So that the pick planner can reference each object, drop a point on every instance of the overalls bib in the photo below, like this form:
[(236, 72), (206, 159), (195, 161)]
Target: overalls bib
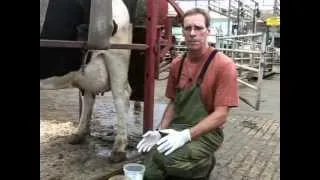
[(194, 159)]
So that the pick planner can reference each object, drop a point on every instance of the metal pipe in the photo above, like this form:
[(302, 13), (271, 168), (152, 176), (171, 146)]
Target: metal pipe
[(247, 102), (221, 13), (149, 75), (247, 67), (176, 8), (83, 44), (250, 58), (261, 72), (238, 50), (240, 70), (275, 8), (232, 40), (240, 36), (247, 84), (238, 17), (229, 7), (254, 20), (241, 58)]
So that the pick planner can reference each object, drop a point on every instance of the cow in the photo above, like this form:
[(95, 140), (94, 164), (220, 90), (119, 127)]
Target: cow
[(101, 71)]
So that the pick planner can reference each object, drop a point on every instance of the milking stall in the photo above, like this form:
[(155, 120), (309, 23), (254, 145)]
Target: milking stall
[(104, 66)]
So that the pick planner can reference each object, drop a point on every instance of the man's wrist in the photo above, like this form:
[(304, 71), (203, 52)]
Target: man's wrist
[(187, 132)]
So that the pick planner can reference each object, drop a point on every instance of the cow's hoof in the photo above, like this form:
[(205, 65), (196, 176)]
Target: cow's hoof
[(117, 157), (75, 139)]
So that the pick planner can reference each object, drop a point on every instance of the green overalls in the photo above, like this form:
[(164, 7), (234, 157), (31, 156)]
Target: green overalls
[(194, 159)]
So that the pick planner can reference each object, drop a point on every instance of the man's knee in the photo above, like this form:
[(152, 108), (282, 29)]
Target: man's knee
[(152, 175), (153, 168)]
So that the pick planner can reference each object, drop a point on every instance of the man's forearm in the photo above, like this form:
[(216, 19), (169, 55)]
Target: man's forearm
[(209, 123), (167, 116)]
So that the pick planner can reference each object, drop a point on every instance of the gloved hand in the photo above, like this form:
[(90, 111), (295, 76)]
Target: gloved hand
[(150, 138), (174, 140)]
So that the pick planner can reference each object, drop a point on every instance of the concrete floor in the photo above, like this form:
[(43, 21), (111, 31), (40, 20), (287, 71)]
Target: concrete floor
[(251, 149)]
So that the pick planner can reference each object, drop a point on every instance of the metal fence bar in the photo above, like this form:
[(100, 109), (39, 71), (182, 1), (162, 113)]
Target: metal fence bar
[(239, 50), (247, 58), (240, 36), (242, 58), (261, 71), (247, 67), (258, 59), (83, 44), (247, 84), (247, 102), (232, 40)]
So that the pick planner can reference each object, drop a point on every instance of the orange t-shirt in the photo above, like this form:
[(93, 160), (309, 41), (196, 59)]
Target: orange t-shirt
[(219, 86)]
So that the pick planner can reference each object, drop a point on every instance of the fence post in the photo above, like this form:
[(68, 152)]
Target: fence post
[(261, 70)]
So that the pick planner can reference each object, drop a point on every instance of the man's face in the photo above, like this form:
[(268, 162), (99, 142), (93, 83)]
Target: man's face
[(195, 32)]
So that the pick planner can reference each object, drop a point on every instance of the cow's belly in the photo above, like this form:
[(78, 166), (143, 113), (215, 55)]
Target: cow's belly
[(94, 78)]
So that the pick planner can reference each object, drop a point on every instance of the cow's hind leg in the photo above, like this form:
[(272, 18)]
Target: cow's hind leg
[(121, 99), (118, 68), (122, 105), (85, 118)]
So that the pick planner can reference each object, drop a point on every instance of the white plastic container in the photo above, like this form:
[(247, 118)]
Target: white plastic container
[(134, 171)]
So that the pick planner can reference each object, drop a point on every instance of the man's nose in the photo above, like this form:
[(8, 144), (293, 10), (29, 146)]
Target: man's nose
[(192, 32)]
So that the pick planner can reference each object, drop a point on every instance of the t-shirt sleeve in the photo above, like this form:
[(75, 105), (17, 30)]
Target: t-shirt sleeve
[(227, 88)]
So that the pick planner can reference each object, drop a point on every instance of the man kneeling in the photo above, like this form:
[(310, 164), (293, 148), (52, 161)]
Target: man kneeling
[(202, 86)]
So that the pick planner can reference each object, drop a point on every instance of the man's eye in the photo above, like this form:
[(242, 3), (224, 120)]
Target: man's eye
[(188, 28), (198, 28)]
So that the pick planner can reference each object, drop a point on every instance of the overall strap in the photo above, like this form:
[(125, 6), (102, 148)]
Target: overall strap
[(205, 66), (181, 64)]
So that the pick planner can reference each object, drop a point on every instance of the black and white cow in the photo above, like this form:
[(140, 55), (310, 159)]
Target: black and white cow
[(105, 70)]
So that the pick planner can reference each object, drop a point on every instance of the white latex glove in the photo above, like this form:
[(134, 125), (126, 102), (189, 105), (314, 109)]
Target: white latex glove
[(174, 140), (150, 138)]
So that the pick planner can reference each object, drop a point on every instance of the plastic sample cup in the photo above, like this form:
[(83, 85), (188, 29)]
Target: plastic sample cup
[(134, 171)]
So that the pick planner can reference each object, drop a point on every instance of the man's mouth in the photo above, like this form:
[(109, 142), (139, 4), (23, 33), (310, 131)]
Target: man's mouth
[(193, 42)]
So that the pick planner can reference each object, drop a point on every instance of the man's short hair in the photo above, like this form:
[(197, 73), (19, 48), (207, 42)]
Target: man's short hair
[(197, 11)]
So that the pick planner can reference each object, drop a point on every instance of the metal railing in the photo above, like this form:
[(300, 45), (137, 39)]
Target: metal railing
[(84, 44), (255, 63)]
